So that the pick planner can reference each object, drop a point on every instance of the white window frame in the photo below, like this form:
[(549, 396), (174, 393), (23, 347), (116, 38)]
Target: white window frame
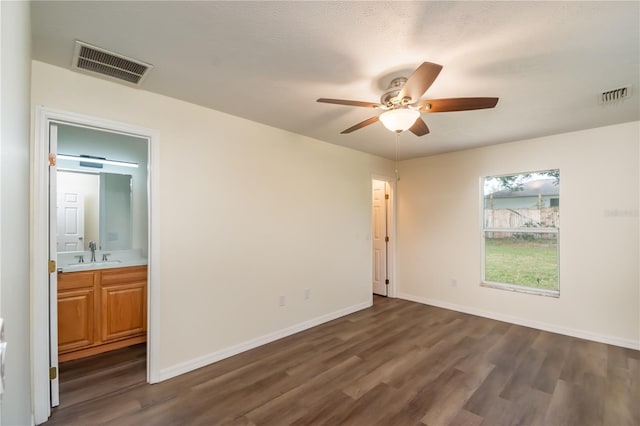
[(520, 288)]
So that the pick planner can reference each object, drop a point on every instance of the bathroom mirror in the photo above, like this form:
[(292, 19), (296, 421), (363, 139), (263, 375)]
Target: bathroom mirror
[(94, 207)]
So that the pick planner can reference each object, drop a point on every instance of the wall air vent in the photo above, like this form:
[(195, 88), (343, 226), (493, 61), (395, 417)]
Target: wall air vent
[(615, 95), (100, 62)]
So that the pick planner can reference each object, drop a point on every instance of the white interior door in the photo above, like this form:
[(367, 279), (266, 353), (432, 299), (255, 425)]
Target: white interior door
[(53, 275), (70, 233), (380, 237)]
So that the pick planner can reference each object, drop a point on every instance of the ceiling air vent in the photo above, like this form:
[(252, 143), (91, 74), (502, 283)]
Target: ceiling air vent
[(615, 94), (95, 60)]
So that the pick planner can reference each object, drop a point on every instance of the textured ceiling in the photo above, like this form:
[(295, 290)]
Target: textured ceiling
[(269, 61)]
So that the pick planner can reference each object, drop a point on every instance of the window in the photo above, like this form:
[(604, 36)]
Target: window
[(521, 221)]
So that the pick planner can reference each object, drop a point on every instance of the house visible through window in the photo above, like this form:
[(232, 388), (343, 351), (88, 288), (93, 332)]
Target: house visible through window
[(521, 216)]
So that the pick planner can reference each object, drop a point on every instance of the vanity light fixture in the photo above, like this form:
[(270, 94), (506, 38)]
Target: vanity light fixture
[(97, 160)]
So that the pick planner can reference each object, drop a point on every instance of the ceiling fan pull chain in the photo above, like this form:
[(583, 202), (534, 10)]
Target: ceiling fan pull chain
[(397, 175)]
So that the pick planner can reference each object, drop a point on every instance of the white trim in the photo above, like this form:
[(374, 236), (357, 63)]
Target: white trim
[(185, 367), (391, 218), (39, 246), (153, 271), (528, 230), (53, 278), (39, 275), (521, 288), (582, 334)]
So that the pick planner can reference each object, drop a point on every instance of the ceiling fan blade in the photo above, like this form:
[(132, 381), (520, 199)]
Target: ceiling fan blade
[(456, 104), (419, 128), (361, 124), (421, 79), (349, 103)]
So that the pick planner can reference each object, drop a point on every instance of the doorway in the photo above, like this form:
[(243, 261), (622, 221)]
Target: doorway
[(121, 229), (99, 211), (381, 236)]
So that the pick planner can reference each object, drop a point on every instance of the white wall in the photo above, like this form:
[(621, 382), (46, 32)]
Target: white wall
[(14, 200), (248, 213), (439, 232)]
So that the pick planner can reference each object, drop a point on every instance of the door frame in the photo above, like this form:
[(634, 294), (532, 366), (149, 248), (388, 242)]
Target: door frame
[(391, 219), (40, 236)]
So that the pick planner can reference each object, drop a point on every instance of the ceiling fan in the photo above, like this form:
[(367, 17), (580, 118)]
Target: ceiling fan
[(402, 105)]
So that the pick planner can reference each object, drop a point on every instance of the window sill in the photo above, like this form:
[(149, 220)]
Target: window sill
[(521, 289)]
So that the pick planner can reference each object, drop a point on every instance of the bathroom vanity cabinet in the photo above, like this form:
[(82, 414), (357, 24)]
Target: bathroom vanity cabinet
[(101, 310)]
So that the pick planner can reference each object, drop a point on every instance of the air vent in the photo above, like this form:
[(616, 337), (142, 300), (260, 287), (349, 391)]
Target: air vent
[(615, 95), (94, 60)]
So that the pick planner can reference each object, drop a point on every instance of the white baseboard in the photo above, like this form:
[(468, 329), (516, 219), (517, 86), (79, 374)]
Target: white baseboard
[(185, 367), (582, 334)]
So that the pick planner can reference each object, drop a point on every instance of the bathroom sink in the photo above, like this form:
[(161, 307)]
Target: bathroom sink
[(87, 266), (68, 261)]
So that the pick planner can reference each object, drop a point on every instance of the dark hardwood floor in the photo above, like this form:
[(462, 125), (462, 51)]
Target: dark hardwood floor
[(87, 379), (397, 363)]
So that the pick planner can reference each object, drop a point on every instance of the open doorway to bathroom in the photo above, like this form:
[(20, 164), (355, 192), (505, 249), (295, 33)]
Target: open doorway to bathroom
[(100, 216), (94, 254)]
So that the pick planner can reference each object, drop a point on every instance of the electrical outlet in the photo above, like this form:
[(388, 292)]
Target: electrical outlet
[(307, 293), (454, 282), (282, 301)]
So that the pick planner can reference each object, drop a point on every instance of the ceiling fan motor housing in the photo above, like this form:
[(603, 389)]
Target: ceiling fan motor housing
[(390, 97)]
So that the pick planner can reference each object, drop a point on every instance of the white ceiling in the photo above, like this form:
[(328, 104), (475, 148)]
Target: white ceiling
[(548, 62)]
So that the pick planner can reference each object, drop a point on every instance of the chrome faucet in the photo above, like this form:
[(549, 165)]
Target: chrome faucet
[(92, 247)]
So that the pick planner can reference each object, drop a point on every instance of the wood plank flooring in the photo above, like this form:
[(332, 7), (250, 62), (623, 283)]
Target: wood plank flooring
[(397, 363), (93, 377)]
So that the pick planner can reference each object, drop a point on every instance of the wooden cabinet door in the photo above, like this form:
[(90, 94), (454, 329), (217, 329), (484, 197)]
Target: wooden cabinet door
[(101, 310), (76, 320), (123, 310)]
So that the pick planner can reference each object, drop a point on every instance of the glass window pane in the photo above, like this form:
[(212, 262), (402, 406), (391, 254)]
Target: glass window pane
[(522, 258), (524, 200), (521, 217)]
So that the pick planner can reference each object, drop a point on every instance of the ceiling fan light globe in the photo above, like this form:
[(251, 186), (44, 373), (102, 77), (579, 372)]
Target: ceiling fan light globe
[(400, 119)]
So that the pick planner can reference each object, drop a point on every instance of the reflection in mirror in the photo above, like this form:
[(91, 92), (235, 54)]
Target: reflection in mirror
[(93, 207), (116, 206), (115, 211)]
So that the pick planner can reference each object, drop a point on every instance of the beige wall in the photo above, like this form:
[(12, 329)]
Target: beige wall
[(439, 232), (247, 213), (15, 62)]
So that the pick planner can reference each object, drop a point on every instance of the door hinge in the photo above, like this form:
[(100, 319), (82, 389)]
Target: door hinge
[(52, 266), (52, 159), (386, 239), (386, 196), (53, 373), (386, 282)]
